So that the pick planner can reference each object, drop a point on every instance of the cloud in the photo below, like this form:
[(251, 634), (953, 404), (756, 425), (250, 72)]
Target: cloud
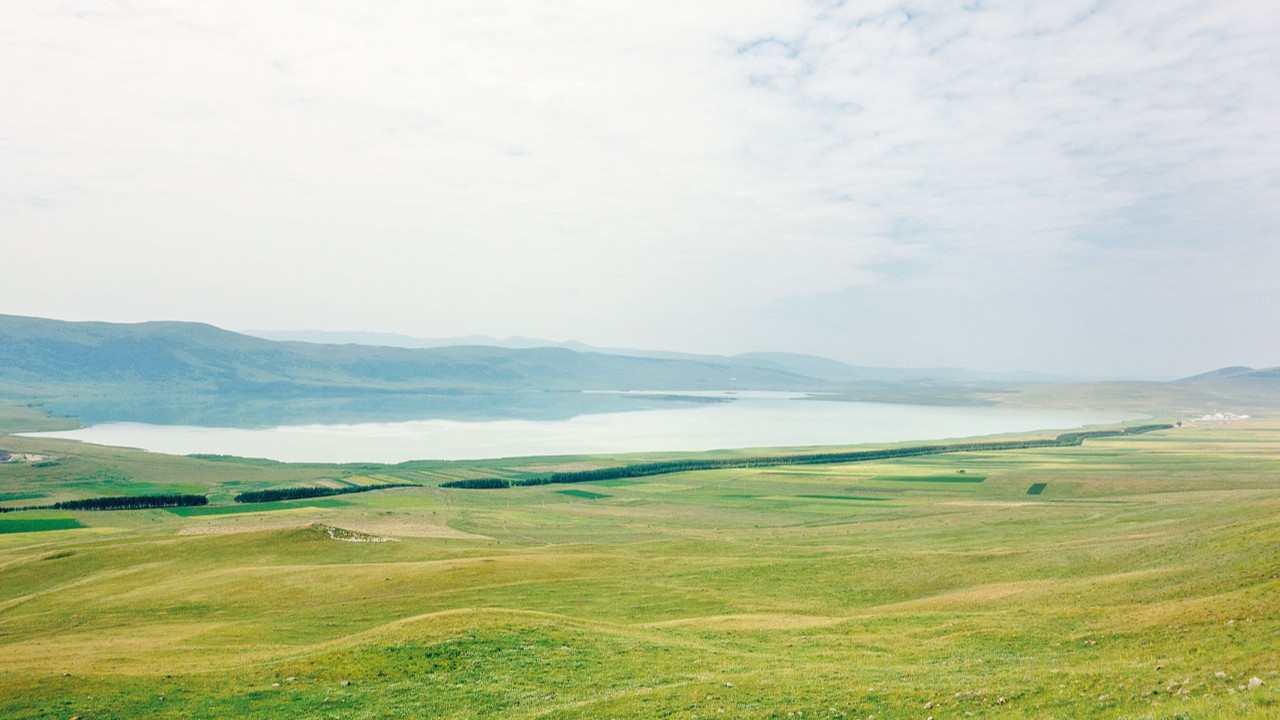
[(713, 177)]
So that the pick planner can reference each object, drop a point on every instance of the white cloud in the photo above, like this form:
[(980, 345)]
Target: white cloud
[(714, 176)]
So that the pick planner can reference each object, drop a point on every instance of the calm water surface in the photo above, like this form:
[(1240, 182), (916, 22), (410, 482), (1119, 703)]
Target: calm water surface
[(750, 420)]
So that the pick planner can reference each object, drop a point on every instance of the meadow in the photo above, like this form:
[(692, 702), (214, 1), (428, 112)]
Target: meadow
[(1129, 577)]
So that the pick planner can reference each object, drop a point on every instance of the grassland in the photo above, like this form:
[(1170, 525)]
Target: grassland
[(1142, 582)]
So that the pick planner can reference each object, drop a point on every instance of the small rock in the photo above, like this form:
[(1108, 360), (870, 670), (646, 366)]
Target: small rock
[(728, 684), (1255, 683), (1002, 701), (346, 683), (1220, 674), (291, 679), (275, 684), (928, 705)]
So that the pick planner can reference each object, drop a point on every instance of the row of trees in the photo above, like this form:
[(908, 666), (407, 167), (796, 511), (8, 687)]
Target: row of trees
[(1076, 438), (298, 493), (121, 502), (676, 466), (145, 502), (480, 484)]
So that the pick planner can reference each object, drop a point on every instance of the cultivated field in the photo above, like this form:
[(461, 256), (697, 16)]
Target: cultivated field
[(1139, 579)]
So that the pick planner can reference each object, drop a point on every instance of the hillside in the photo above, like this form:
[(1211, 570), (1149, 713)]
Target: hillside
[(1224, 372), (1235, 389), (36, 354), (811, 366)]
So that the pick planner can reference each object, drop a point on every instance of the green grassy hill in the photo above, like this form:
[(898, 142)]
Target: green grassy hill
[(1139, 583)]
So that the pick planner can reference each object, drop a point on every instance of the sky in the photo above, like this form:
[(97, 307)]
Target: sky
[(1089, 188)]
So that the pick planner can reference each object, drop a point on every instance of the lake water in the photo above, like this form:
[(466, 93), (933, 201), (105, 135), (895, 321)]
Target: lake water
[(749, 420)]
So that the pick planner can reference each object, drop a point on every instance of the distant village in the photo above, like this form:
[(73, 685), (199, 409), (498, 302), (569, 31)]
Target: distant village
[(1220, 417)]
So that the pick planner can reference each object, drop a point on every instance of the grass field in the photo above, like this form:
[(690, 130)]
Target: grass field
[(1143, 582)]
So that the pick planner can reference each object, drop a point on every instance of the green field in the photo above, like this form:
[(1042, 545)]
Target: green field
[(1144, 583), (28, 523)]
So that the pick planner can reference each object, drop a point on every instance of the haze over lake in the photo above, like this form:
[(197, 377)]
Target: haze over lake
[(752, 419)]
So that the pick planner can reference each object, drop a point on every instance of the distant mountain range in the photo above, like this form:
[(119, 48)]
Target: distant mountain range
[(329, 337), (40, 355), (193, 373), (810, 366)]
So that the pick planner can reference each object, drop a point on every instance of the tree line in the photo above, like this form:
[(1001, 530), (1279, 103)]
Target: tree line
[(146, 502), (298, 493), (121, 502), (687, 465)]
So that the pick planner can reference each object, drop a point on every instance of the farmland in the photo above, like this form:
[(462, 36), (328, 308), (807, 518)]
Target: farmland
[(1141, 582)]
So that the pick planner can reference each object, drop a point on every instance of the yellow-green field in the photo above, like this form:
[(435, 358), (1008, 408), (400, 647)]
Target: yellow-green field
[(1143, 582)]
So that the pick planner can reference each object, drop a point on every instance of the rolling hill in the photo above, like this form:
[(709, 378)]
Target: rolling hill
[(39, 357), (811, 366)]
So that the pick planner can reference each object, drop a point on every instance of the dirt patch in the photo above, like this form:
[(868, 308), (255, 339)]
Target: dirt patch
[(405, 526), (344, 535), (381, 527), (8, 457)]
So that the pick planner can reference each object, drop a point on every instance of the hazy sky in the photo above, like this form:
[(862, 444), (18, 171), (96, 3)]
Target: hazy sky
[(1065, 186)]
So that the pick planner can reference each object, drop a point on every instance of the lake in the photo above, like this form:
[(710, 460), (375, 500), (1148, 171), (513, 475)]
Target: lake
[(719, 420)]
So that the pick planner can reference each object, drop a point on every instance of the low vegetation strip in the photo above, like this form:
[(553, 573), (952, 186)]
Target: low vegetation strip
[(298, 493), (933, 478), (852, 498), (584, 494), (677, 466), (244, 509)]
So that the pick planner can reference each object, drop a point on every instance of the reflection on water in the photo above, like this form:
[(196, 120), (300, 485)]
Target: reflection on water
[(654, 422), (236, 411)]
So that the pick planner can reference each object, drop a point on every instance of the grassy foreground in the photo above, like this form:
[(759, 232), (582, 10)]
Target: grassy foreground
[(1142, 581)]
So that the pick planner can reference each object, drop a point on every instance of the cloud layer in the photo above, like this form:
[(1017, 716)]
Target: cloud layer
[(1088, 187)]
